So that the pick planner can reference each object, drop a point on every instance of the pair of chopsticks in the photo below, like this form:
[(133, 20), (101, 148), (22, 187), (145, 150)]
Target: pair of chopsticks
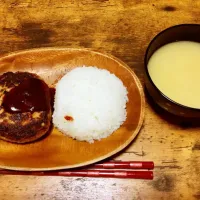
[(113, 169)]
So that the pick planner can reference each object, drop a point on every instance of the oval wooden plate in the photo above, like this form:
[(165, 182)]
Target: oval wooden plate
[(57, 151)]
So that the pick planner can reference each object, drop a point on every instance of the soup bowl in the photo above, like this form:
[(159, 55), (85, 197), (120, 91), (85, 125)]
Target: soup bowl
[(182, 32)]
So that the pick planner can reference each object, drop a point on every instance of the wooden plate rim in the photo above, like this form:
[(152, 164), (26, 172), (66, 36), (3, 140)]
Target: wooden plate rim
[(122, 64)]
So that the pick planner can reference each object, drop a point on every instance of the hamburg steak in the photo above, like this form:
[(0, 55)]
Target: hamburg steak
[(20, 121)]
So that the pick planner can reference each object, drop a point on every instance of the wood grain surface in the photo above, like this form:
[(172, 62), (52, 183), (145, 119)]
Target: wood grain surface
[(123, 28)]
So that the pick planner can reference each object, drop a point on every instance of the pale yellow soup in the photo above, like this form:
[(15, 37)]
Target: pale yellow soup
[(175, 70)]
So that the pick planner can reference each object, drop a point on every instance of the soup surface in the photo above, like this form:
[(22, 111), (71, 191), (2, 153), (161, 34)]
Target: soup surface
[(175, 70)]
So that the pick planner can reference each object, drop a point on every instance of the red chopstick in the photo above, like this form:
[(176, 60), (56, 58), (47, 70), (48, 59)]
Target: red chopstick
[(125, 165), (106, 169), (86, 173)]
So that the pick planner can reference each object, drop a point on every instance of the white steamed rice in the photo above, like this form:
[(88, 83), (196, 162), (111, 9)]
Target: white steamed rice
[(94, 98)]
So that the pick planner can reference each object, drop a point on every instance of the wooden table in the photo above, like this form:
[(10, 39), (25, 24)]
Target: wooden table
[(123, 28)]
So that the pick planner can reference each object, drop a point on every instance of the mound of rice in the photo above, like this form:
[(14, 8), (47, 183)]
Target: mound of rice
[(90, 104)]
